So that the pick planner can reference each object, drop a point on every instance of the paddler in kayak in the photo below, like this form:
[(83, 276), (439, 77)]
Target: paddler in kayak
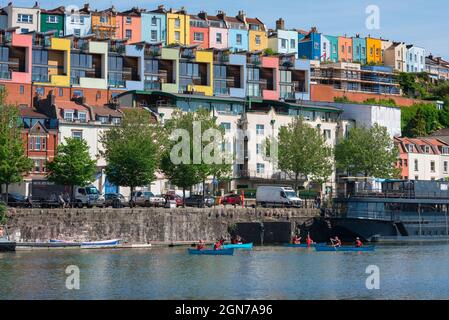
[(296, 239), (336, 242), (358, 243), (200, 245), (217, 245), (309, 240)]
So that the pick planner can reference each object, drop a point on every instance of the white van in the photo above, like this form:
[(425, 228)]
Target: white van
[(274, 196), (88, 196)]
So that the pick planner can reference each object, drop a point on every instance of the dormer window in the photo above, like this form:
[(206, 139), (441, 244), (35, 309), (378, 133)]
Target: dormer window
[(410, 147), (445, 150), (116, 120), (69, 115), (426, 149), (103, 119), (82, 116)]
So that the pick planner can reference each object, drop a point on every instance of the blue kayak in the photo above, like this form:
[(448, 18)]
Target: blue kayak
[(238, 246), (344, 248), (221, 252), (302, 245)]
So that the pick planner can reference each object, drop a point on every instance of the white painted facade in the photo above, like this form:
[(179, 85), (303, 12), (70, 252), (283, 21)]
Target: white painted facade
[(416, 57), (325, 49), (284, 41), (25, 19), (368, 115)]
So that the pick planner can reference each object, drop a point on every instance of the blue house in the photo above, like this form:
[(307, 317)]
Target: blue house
[(154, 26), (359, 49), (309, 47)]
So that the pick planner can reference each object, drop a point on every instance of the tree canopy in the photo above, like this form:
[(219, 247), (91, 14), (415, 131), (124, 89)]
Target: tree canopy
[(72, 165), (195, 152), (133, 149), (14, 163), (303, 151), (369, 152)]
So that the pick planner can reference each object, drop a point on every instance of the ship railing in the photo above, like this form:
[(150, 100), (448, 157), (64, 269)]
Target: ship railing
[(408, 194)]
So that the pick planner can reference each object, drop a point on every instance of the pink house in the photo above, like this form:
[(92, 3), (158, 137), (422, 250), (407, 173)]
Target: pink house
[(270, 72), (218, 33), (129, 25), (21, 56)]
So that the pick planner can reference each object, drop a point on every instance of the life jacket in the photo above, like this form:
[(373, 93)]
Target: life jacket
[(200, 246), (217, 245), (358, 243)]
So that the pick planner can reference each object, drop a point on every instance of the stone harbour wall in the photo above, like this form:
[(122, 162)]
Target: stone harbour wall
[(140, 225)]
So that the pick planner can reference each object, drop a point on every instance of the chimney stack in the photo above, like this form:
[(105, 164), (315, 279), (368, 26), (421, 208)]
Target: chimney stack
[(242, 16), (202, 15), (221, 14), (280, 24)]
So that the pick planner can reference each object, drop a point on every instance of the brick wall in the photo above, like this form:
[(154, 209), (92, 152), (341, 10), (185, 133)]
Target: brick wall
[(326, 93)]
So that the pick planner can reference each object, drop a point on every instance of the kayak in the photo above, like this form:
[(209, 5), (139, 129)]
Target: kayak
[(221, 252), (302, 245), (345, 248), (238, 246)]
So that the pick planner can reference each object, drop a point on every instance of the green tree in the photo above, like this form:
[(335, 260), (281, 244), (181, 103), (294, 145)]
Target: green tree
[(133, 150), (72, 165), (370, 152), (417, 125), (197, 171), (14, 163), (302, 151)]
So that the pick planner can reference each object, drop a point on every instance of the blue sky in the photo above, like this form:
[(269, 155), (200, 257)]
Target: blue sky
[(424, 23)]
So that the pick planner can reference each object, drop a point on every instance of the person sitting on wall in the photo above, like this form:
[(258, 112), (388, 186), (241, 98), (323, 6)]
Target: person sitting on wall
[(61, 200)]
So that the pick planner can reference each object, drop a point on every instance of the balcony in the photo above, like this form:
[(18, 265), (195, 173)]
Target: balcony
[(152, 85), (120, 49), (153, 51), (221, 91)]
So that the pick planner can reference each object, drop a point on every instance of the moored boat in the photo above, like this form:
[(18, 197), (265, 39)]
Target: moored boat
[(220, 252), (326, 248), (238, 246), (6, 245), (86, 244)]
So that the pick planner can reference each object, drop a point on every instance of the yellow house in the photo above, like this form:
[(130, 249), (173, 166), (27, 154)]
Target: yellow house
[(206, 57), (178, 27), (258, 39), (373, 50), (58, 63), (104, 23)]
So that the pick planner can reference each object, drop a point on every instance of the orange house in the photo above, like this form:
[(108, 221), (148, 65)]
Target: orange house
[(345, 48), (129, 25), (104, 23), (199, 30)]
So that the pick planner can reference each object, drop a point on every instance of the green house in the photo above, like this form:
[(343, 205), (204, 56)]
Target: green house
[(52, 20)]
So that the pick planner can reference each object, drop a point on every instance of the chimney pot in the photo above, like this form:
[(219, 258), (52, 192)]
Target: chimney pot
[(280, 24)]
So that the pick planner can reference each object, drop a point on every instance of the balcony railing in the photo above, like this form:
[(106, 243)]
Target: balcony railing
[(152, 85), (264, 175)]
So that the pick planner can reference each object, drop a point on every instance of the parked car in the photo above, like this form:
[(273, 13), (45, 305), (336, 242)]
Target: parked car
[(175, 197), (145, 199), (115, 200), (232, 198), (275, 196), (16, 200), (197, 201)]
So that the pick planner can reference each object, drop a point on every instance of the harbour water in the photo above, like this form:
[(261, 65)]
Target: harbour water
[(406, 272)]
